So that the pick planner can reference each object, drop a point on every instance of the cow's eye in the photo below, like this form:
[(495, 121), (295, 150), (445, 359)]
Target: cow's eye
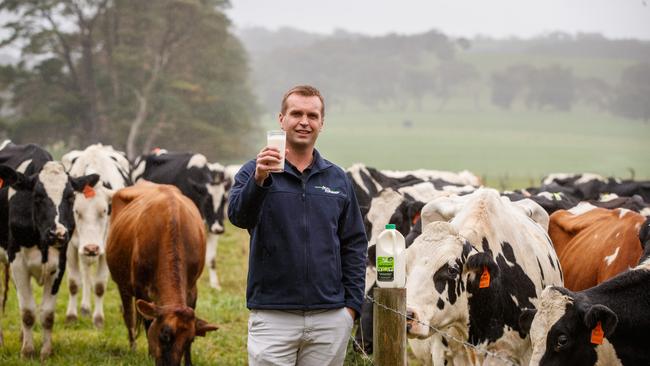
[(562, 341), (453, 271)]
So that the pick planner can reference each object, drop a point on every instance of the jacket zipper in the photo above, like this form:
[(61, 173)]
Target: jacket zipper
[(306, 241)]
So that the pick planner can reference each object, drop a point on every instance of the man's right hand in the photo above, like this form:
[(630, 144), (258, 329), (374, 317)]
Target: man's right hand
[(267, 160)]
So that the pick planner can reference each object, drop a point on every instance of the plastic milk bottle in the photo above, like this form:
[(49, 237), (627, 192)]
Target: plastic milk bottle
[(391, 258)]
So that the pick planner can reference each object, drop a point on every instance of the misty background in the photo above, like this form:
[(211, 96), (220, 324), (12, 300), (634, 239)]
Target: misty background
[(508, 89)]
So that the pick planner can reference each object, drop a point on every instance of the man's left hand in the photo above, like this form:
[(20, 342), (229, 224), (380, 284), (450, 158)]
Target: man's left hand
[(353, 313)]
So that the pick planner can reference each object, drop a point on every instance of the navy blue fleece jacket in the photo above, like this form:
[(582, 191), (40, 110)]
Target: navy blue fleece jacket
[(307, 240)]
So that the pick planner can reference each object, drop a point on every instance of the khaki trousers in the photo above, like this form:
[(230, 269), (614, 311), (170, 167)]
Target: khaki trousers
[(304, 338)]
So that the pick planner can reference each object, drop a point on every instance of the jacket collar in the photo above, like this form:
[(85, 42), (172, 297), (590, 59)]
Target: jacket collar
[(317, 165)]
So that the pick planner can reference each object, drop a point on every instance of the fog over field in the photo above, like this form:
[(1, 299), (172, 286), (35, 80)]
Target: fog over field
[(466, 18)]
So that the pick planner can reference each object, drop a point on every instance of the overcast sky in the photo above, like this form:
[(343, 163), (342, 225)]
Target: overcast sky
[(497, 18)]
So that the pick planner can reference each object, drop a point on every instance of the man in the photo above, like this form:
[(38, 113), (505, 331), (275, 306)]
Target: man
[(308, 246)]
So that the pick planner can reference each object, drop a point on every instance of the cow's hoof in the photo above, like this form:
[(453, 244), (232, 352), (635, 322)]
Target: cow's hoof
[(70, 319), (99, 322), (27, 352), (46, 352), (85, 311)]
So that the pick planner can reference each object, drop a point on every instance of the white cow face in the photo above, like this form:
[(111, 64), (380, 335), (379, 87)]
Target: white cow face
[(91, 214), (436, 280)]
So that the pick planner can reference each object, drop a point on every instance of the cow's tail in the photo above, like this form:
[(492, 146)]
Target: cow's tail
[(5, 290)]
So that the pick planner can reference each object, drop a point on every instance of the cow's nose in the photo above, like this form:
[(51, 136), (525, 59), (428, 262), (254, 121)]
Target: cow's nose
[(57, 234), (91, 250), (411, 317), (216, 228)]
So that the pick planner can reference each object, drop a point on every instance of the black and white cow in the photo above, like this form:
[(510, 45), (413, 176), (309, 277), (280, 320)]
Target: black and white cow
[(565, 327), (462, 178), (582, 186), (400, 205), (481, 260), (368, 182), (92, 214), (36, 223), (198, 180)]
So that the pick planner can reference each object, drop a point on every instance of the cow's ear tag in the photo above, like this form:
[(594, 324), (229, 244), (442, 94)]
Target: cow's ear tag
[(485, 278), (597, 334), (2, 182), (416, 217), (89, 192)]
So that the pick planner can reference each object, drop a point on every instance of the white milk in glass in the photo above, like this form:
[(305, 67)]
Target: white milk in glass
[(278, 139)]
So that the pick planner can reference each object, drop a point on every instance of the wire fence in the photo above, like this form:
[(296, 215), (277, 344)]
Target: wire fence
[(477, 349)]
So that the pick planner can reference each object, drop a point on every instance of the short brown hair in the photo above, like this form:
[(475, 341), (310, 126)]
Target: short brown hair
[(305, 91)]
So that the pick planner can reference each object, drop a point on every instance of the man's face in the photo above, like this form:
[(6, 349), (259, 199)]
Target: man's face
[(302, 120)]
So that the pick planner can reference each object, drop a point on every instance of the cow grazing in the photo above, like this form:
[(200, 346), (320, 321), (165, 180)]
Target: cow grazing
[(155, 252), (473, 275), (36, 222), (603, 325), (610, 237), (91, 213), (202, 182)]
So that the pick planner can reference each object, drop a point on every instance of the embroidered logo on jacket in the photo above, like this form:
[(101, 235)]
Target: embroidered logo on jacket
[(327, 189)]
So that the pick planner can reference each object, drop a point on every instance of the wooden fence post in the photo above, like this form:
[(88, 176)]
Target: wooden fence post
[(389, 328)]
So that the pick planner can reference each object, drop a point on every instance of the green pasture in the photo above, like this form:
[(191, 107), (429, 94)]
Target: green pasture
[(506, 148)]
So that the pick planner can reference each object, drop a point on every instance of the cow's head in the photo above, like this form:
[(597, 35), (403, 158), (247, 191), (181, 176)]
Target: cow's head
[(436, 279), (91, 212), (51, 192), (172, 331), (212, 203), (561, 328)]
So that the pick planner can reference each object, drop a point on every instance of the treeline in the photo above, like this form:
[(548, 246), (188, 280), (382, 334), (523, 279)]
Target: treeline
[(135, 74), (396, 71)]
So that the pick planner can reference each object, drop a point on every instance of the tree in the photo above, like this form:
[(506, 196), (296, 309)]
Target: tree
[(510, 83), (632, 96), (552, 86), (132, 73)]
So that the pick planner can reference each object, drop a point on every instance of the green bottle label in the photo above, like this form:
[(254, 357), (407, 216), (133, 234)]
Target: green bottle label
[(385, 268)]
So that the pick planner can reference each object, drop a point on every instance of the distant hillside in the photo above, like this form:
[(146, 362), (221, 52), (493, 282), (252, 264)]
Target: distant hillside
[(394, 71)]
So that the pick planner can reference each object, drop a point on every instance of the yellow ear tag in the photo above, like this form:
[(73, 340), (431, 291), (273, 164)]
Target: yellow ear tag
[(597, 334), (88, 191), (485, 278)]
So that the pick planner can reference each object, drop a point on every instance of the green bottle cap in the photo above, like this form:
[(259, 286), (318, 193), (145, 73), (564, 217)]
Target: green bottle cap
[(390, 226)]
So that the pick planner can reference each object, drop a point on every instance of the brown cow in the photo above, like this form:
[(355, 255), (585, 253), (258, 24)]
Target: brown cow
[(594, 244), (155, 252)]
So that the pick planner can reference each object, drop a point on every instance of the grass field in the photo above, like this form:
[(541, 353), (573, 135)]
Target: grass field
[(508, 149)]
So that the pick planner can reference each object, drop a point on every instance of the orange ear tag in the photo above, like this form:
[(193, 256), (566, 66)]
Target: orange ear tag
[(88, 191), (485, 278), (416, 217), (597, 334), (2, 182)]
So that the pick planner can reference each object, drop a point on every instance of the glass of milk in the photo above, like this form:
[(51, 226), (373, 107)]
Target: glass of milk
[(278, 139)]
